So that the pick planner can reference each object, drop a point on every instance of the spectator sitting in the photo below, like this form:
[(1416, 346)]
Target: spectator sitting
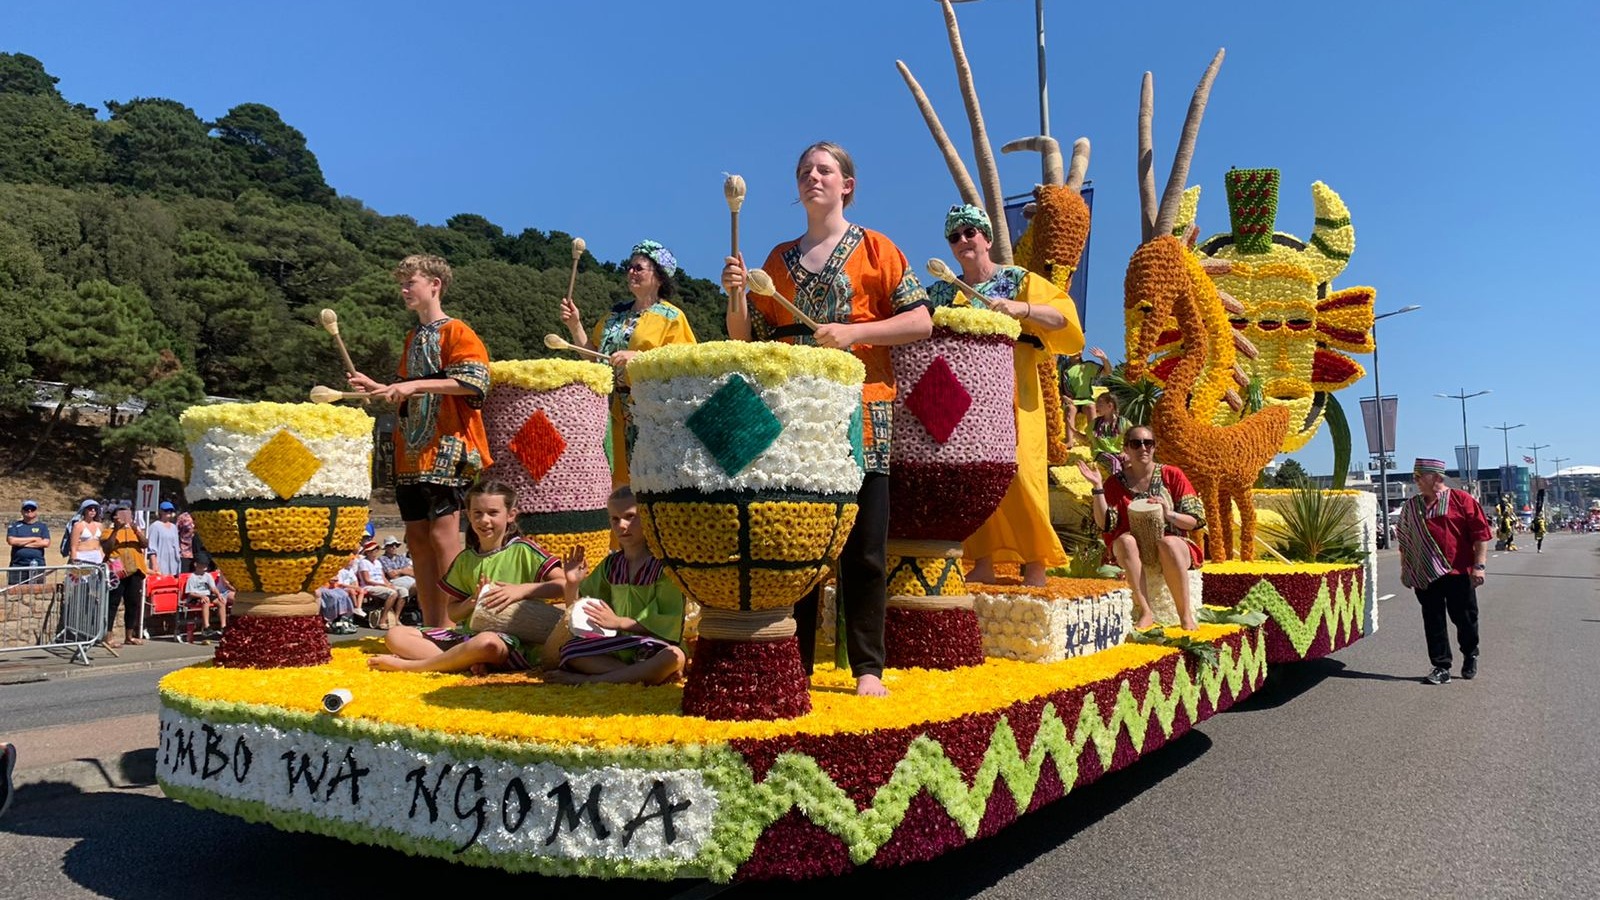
[(369, 573), (397, 567), (201, 588), (340, 599), (629, 595), (28, 538)]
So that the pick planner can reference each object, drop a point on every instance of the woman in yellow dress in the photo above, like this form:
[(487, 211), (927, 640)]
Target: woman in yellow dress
[(1020, 530), (633, 326)]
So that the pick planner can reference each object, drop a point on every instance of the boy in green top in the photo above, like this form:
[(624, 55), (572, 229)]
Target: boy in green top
[(627, 626), (1078, 387)]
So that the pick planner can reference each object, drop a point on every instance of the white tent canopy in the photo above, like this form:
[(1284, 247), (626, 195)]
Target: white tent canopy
[(1576, 471)]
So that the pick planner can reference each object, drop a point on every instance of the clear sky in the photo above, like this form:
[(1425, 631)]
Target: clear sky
[(1460, 134)]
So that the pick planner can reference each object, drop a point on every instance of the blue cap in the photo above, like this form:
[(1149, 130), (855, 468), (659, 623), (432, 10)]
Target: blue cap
[(86, 504), (166, 506), (30, 504)]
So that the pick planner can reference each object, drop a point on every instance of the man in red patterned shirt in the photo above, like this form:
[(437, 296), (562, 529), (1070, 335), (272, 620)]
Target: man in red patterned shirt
[(1444, 541)]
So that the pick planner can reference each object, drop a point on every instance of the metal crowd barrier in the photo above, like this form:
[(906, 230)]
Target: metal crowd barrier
[(53, 608)]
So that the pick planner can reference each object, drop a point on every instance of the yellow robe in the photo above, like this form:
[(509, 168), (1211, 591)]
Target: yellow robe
[(1020, 530), (658, 325)]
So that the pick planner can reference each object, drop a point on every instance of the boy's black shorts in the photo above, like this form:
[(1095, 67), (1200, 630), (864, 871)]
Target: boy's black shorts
[(423, 500)]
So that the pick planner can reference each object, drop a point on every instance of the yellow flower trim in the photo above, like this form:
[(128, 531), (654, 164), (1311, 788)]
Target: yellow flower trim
[(795, 531), (692, 532), (966, 320), (596, 544), (277, 575), (768, 362), (218, 530), (517, 708), (308, 420), (549, 374), (350, 527), (287, 529)]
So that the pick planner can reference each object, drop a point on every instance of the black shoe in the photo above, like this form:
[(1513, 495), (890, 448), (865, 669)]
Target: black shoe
[(8, 762), (1439, 675), (1469, 668)]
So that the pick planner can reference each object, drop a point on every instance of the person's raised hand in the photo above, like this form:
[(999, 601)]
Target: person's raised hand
[(1091, 475)]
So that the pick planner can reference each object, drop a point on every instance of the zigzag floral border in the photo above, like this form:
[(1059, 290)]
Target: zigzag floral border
[(794, 806), (1308, 615)]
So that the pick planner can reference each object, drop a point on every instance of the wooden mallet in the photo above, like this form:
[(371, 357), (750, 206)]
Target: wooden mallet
[(760, 282), (578, 246), (733, 192), (330, 321), (324, 394), (938, 269), (557, 342)]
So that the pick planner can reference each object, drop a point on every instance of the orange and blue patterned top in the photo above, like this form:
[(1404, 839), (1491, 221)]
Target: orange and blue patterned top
[(440, 438), (867, 279)]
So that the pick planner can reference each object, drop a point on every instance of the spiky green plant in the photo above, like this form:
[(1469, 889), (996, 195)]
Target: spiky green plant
[(1317, 527)]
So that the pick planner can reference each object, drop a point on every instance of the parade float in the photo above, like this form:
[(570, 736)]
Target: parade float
[(749, 771)]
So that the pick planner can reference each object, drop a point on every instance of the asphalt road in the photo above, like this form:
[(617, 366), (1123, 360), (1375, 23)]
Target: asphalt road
[(1344, 777)]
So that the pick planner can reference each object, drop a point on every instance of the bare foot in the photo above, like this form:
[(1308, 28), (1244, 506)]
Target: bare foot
[(562, 676), (134, 640), (1033, 574), (388, 662), (1145, 622), (983, 573), (870, 686), (1190, 625)]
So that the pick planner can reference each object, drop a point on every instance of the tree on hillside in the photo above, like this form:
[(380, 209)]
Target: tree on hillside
[(270, 154), (95, 337), (169, 389), (298, 247), (43, 138), (1291, 475), (162, 147)]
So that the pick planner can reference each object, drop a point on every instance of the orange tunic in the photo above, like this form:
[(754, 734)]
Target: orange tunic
[(439, 438), (867, 279)]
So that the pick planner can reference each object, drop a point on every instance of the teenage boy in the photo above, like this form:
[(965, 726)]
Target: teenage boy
[(440, 444)]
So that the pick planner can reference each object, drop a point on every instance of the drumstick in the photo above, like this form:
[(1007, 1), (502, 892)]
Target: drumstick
[(760, 282), (578, 247), (324, 394), (330, 321), (938, 269), (557, 342), (733, 192)]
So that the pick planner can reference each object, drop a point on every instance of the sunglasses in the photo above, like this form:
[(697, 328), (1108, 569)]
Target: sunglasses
[(637, 267), (965, 234), (1145, 443)]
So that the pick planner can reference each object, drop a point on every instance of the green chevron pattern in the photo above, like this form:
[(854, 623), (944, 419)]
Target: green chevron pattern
[(1342, 614)]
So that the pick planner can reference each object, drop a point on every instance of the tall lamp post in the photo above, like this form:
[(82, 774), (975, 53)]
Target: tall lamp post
[(1556, 461), (1505, 470), (1377, 392), (1535, 448), (1466, 444)]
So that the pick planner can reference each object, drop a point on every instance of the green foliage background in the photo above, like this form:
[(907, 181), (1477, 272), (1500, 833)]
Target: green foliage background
[(155, 255)]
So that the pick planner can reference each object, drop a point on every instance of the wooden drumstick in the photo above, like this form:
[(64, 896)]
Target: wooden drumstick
[(760, 282), (557, 342), (324, 394), (330, 321), (733, 192), (578, 246), (938, 269)]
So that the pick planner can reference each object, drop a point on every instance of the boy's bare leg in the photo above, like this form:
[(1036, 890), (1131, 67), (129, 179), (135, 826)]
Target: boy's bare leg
[(480, 649), (660, 668), (1072, 423), (435, 544)]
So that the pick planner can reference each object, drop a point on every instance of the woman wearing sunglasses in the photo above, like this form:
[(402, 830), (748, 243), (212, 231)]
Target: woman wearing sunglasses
[(1020, 530), (633, 326), (1142, 477), (861, 291)]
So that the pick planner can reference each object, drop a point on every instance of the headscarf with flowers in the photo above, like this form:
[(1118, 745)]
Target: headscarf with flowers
[(964, 214), (657, 253)]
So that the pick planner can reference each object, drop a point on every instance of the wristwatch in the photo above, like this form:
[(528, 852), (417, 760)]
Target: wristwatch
[(1478, 568)]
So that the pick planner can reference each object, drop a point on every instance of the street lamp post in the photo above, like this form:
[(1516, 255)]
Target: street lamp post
[(1466, 443), (1536, 448), (1505, 470), (1383, 453), (1560, 500)]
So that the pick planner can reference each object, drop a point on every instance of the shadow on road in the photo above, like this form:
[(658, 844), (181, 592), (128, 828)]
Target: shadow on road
[(1538, 575)]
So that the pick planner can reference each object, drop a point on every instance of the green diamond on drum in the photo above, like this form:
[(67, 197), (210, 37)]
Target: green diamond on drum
[(735, 425)]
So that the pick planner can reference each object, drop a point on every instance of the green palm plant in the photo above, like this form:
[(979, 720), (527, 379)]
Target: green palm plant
[(1317, 527), (1136, 400)]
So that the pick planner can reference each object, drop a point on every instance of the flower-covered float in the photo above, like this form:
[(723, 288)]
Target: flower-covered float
[(279, 495), (621, 781)]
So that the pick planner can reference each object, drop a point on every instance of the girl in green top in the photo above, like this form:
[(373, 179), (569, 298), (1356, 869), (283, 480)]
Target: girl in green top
[(512, 569), (1105, 433), (640, 606)]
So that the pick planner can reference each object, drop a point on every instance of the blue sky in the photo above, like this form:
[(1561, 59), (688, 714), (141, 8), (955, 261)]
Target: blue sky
[(1460, 135)]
